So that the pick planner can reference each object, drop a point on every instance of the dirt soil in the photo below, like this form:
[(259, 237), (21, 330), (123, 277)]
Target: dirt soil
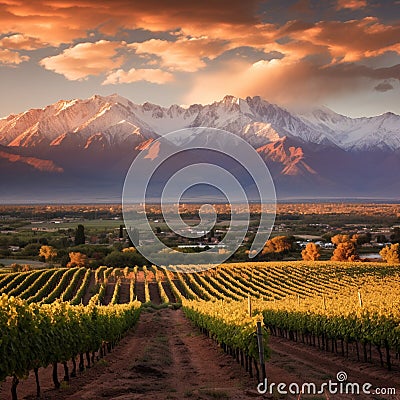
[(300, 363), (88, 293), (166, 357)]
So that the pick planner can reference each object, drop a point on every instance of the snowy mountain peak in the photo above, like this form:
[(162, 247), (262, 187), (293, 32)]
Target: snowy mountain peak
[(113, 120), (89, 144), (382, 131), (229, 99)]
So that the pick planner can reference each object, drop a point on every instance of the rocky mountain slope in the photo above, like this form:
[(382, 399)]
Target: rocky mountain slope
[(89, 144)]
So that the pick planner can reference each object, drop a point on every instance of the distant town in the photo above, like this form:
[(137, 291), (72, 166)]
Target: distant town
[(104, 240)]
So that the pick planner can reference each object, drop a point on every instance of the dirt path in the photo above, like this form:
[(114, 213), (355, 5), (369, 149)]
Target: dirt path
[(150, 276), (109, 293), (154, 293), (124, 293), (180, 287), (139, 291), (89, 291), (168, 291), (165, 358), (300, 363), (76, 288), (139, 287)]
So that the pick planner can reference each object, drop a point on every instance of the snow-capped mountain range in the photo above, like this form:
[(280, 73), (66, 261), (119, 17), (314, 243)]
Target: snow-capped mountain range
[(114, 120), (306, 152)]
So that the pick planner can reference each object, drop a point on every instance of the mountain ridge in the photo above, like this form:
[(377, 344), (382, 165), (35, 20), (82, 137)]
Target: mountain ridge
[(91, 143), (254, 119)]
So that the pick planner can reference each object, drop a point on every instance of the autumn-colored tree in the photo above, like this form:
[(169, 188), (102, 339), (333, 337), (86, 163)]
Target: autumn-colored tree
[(346, 249), (311, 252), (337, 239), (77, 260), (278, 244), (129, 250), (391, 254), (223, 251), (48, 252), (20, 268)]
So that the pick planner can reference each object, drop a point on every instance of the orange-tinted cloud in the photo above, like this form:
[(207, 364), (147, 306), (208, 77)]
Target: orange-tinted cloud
[(134, 75), (286, 82), (46, 23), (85, 59), (226, 24), (185, 54), (63, 21), (351, 4), (352, 40), (10, 58), (21, 42), (207, 44)]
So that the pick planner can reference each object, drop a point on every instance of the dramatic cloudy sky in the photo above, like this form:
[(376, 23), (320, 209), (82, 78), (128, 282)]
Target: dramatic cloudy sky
[(341, 53)]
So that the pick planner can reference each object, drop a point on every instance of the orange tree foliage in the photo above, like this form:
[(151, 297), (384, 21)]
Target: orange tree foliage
[(346, 249), (278, 244), (391, 254), (311, 252), (20, 267), (77, 260), (48, 252)]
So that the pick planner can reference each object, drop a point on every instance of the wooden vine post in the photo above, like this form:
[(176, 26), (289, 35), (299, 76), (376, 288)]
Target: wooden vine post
[(249, 308), (260, 342), (360, 303)]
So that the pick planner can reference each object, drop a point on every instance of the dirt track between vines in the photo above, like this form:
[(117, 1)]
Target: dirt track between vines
[(165, 357)]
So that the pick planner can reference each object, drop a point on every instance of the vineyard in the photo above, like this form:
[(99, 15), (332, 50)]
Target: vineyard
[(265, 281), (55, 315)]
